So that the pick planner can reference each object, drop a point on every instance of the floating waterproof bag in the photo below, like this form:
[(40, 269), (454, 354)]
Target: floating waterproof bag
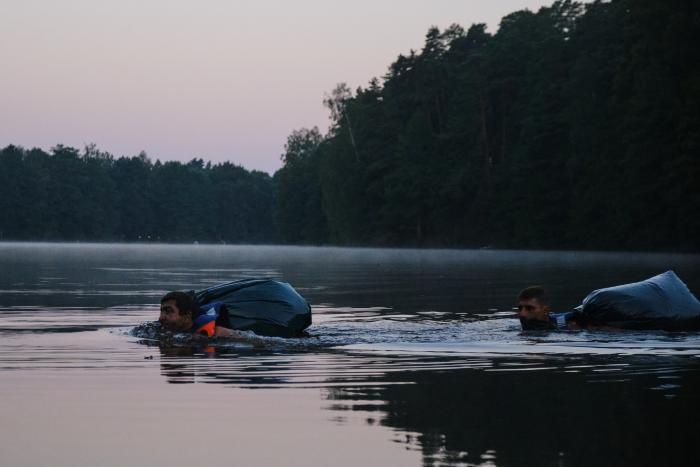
[(661, 302), (264, 306)]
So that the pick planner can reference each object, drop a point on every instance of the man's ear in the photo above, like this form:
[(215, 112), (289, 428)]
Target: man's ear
[(547, 308)]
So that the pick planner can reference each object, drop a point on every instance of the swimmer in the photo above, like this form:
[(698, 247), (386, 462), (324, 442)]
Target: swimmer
[(535, 314), (179, 312)]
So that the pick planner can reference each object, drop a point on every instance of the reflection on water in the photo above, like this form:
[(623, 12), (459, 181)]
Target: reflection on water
[(547, 417), (414, 358)]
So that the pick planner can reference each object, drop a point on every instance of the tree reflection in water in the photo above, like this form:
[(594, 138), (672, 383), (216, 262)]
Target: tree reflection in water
[(569, 411), (549, 417)]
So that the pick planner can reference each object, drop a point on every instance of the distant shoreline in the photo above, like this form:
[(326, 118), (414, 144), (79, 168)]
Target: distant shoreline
[(426, 249)]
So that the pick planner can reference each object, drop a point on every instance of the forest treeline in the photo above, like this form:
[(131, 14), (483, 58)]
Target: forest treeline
[(576, 126), (90, 195)]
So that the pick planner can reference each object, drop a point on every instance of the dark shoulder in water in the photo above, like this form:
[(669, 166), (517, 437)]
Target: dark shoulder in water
[(564, 320)]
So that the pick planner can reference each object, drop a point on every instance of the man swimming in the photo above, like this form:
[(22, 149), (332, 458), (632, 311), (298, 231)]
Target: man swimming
[(535, 314), (180, 313)]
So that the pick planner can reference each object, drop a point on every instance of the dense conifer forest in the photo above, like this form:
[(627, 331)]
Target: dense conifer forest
[(577, 126), (574, 127), (90, 195)]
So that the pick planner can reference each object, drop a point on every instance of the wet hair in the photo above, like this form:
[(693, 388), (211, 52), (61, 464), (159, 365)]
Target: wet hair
[(537, 292), (185, 302)]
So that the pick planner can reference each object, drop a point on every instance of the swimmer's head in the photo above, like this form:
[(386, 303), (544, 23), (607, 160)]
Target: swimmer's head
[(533, 308), (177, 310)]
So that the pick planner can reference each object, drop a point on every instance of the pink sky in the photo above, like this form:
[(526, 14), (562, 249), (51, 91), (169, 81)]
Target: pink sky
[(216, 79)]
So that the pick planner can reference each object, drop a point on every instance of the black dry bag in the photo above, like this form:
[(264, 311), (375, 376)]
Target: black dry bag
[(264, 306), (661, 302)]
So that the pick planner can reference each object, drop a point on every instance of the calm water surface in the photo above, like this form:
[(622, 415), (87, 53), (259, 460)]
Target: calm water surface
[(415, 358)]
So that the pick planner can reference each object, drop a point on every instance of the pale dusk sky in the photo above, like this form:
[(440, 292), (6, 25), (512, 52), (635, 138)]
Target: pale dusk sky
[(220, 80)]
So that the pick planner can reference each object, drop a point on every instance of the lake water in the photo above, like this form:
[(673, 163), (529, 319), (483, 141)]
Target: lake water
[(415, 358)]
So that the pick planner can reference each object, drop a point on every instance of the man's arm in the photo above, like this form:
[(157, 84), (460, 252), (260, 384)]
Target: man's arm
[(238, 336)]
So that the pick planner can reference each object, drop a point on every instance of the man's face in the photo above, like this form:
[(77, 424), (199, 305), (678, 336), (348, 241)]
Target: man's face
[(172, 319), (532, 310)]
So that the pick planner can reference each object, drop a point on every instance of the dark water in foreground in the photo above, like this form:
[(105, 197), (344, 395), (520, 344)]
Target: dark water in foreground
[(415, 359)]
